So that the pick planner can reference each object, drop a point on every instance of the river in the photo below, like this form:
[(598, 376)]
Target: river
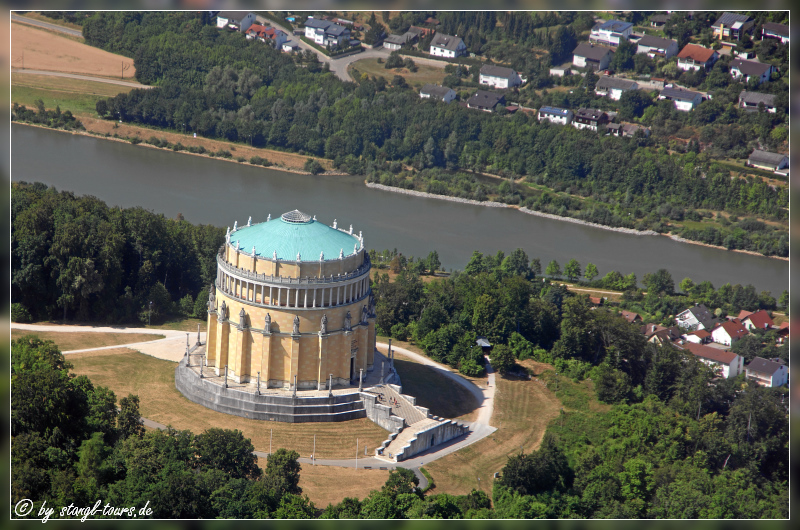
[(219, 193)]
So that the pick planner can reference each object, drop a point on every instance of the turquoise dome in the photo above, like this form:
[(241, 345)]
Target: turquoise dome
[(294, 233)]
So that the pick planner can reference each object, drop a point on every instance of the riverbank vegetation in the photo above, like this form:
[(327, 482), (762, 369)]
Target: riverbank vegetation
[(239, 90)]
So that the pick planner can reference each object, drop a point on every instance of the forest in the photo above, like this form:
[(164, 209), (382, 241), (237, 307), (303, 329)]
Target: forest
[(221, 85)]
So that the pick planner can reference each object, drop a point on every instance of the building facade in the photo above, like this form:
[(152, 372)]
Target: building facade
[(292, 305)]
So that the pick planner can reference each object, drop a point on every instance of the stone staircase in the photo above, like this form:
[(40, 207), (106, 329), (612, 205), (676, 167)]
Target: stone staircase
[(399, 404), (405, 437)]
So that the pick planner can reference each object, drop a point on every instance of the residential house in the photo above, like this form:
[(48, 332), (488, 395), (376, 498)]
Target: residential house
[(556, 115), (758, 320), (695, 57), (783, 332), (499, 77), (751, 100), (447, 46), (290, 46), (485, 101), (658, 334), (700, 336), (731, 26), (658, 21), (442, 93), (589, 119), (270, 35), (767, 373), (326, 32), (725, 363), (595, 57), (696, 317), (767, 160), (560, 71), (728, 332), (773, 30), (683, 99), (394, 42), (657, 47), (626, 129), (751, 70), (421, 33), (613, 87), (610, 33), (238, 20), (630, 316)]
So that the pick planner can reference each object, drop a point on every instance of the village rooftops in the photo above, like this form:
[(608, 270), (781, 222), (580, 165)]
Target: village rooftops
[(484, 99), (696, 53), (589, 114), (435, 90), (613, 26), (778, 29), (652, 41), (707, 352), (754, 98), (496, 71), (232, 15), (395, 39), (680, 94), (447, 42), (750, 67), (765, 157), (630, 316), (591, 52), (613, 82), (734, 329), (659, 19), (556, 111), (760, 319), (730, 20), (763, 366)]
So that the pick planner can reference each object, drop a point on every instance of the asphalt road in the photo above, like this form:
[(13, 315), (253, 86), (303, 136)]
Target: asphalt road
[(46, 25), (77, 76)]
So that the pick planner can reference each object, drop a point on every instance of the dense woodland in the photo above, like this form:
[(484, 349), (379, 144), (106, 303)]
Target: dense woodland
[(221, 85)]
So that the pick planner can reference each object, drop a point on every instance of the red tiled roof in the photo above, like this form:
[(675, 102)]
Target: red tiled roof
[(734, 328), (596, 300), (712, 354), (760, 319), (630, 316), (696, 53), (744, 314), (701, 333)]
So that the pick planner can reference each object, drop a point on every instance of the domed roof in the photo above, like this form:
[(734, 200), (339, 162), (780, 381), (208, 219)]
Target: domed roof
[(294, 233)]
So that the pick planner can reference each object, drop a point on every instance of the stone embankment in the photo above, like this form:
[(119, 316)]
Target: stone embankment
[(435, 196), (587, 223)]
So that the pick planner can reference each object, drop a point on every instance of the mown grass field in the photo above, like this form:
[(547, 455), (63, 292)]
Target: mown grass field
[(330, 485), (78, 340), (153, 380), (76, 95), (424, 74)]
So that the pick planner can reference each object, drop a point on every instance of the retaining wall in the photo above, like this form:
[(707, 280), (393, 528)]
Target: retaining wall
[(431, 437)]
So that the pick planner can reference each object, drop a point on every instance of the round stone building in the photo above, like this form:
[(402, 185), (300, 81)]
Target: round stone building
[(291, 306)]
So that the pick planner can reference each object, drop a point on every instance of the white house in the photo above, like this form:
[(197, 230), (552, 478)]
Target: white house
[(442, 93), (238, 20), (751, 100), (290, 46), (758, 320), (499, 77), (556, 115), (728, 332), (767, 373), (751, 70), (447, 46), (560, 71), (613, 87), (394, 42), (767, 160), (695, 57), (696, 317), (589, 55), (326, 33), (610, 33), (657, 47), (700, 336), (725, 363), (684, 100), (773, 30), (275, 37)]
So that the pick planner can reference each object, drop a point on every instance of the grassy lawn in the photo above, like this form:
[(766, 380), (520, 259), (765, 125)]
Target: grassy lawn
[(424, 74), (79, 98), (330, 485), (187, 324), (77, 340), (153, 380)]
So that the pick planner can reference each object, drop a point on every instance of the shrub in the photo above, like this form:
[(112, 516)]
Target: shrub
[(313, 167), (20, 314), (135, 140), (471, 368), (399, 331), (241, 159)]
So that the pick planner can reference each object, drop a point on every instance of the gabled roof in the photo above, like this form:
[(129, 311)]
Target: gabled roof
[(592, 52), (778, 29), (754, 98), (485, 100), (733, 328), (760, 319), (617, 26), (613, 82), (729, 19), (744, 314), (652, 41), (435, 90), (447, 42), (750, 67), (702, 314), (497, 71), (765, 157), (317, 23), (336, 30), (555, 110), (697, 53), (679, 94), (763, 366), (235, 16), (712, 354), (395, 39), (701, 333), (589, 114)]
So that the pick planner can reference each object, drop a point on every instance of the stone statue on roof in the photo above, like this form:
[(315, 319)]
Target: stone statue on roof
[(242, 319), (364, 314), (347, 324), (222, 311), (323, 325)]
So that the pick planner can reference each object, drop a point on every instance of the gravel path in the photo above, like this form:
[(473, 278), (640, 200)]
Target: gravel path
[(46, 25), (81, 77)]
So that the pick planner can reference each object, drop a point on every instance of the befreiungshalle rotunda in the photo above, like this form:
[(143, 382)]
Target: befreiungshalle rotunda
[(292, 301)]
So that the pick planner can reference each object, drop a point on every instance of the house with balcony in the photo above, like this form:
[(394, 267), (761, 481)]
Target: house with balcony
[(447, 46), (594, 57), (610, 33), (235, 20), (696, 317), (590, 119), (654, 47), (326, 33), (499, 76), (695, 57), (749, 70), (555, 115), (731, 26), (767, 373)]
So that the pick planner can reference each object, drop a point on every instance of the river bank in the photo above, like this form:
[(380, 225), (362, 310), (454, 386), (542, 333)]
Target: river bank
[(680, 239)]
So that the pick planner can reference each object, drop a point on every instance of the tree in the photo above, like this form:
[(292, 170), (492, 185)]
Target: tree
[(400, 480), (633, 103), (502, 358), (572, 269), (553, 269), (591, 272), (783, 301), (227, 450), (282, 472), (659, 282), (516, 263), (434, 264), (129, 421), (536, 266), (313, 166)]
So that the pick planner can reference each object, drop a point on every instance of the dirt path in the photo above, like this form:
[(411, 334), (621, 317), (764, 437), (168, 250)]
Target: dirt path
[(46, 25), (81, 77)]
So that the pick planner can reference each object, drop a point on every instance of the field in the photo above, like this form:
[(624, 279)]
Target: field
[(127, 372), (39, 49), (76, 95), (76, 340), (424, 74), (522, 411), (329, 485)]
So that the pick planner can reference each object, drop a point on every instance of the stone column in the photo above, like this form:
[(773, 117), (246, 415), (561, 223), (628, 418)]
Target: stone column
[(294, 361), (211, 336), (322, 360), (223, 343), (360, 380), (305, 298), (266, 354)]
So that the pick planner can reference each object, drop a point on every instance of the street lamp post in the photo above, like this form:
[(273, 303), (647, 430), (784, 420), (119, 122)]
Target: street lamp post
[(149, 311)]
